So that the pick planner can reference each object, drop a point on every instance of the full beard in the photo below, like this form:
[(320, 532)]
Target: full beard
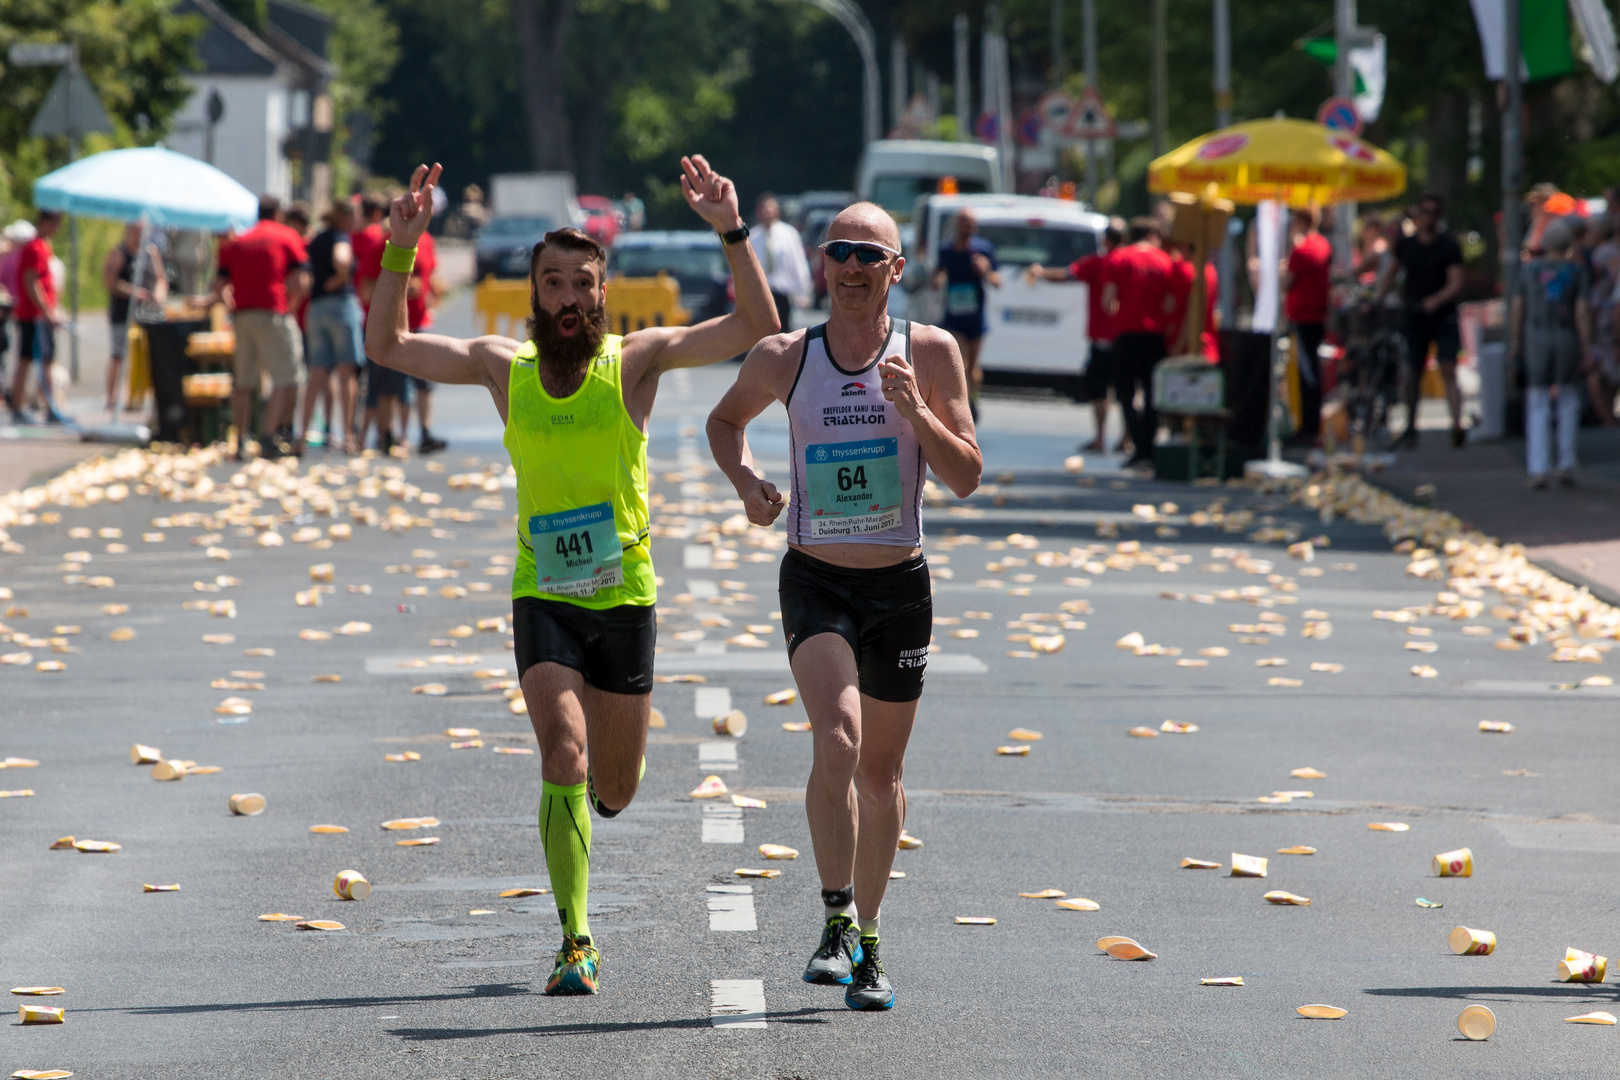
[(568, 352)]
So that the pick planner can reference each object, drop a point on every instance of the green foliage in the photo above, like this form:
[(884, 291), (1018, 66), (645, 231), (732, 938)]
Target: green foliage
[(364, 48), (135, 53), (250, 13)]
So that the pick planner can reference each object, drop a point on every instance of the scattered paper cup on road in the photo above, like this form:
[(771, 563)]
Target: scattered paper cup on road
[(975, 920), (160, 888), (1124, 948), (425, 841), (328, 829), (782, 697), (1143, 733), (512, 894), (1224, 980), (351, 885), (98, 847), (251, 805), (1476, 1023), (37, 991), (1465, 941), (733, 723), (39, 1014), (1078, 903), (655, 718), (1308, 773), (63, 843), (778, 851), (1044, 894), (1024, 735), (909, 842), (1298, 849), (276, 916), (41, 1074), (1178, 727), (1578, 966), (1426, 903), (1248, 865), (1322, 1012), (1591, 1018), (1459, 863), (320, 924), (409, 755), (1199, 864), (169, 770), (796, 725), (1278, 896), (745, 803), (1013, 751), (140, 754), (1388, 826), (712, 788), (1495, 727), (746, 872)]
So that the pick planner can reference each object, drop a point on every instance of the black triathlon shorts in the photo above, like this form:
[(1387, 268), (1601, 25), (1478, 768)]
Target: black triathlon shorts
[(611, 648), (885, 613)]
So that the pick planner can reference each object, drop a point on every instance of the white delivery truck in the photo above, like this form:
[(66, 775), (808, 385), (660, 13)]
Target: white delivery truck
[(894, 172), (1038, 335), (528, 195)]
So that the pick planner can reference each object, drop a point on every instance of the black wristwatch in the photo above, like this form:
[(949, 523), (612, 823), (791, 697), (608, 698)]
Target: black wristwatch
[(735, 236)]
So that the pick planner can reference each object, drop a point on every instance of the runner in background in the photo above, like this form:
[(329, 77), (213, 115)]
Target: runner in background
[(334, 328), (1100, 375), (1139, 294), (964, 266)]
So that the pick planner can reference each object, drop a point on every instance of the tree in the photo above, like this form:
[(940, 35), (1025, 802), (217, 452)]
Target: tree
[(542, 38)]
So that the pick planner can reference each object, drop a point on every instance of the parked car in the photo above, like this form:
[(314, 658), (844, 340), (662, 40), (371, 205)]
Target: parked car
[(1038, 333), (693, 258), (504, 244), (603, 218)]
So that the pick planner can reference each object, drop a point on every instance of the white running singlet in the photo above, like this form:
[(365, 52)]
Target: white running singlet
[(856, 471)]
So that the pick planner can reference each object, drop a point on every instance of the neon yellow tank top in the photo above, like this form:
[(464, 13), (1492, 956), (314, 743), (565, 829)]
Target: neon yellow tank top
[(581, 466)]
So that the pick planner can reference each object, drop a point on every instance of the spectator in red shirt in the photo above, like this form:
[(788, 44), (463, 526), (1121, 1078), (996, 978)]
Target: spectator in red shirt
[(1183, 271), (37, 319), (1305, 277), (267, 272), (421, 297), (1141, 298), (1096, 271), (385, 387)]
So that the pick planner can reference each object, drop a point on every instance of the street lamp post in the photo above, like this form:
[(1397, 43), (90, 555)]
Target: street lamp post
[(852, 19), (1512, 150)]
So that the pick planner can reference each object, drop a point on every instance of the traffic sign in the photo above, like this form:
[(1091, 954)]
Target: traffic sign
[(988, 127), (1340, 114), (88, 114), (1090, 119), (39, 54)]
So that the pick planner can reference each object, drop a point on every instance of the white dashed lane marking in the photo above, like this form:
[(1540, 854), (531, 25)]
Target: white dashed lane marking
[(717, 756), (711, 701), (722, 824), (737, 1003), (731, 908), (697, 557)]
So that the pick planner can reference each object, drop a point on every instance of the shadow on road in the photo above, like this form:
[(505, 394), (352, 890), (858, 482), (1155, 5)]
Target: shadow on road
[(463, 993), (796, 1016), (1565, 991)]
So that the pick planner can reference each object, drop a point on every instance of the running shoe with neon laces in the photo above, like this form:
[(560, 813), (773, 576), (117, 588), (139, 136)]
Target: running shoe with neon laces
[(869, 988), (577, 965), (837, 955)]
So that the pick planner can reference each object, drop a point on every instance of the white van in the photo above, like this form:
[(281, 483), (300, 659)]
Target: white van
[(894, 172), (1038, 333)]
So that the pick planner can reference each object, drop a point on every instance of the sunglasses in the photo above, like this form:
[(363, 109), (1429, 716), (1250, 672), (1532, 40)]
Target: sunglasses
[(866, 253)]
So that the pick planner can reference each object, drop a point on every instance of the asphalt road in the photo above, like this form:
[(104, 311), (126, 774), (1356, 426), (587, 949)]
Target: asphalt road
[(191, 983)]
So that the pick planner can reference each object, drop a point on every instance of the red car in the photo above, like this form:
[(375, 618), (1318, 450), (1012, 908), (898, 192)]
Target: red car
[(602, 220)]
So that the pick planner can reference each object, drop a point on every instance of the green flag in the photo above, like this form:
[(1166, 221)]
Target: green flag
[(1544, 38)]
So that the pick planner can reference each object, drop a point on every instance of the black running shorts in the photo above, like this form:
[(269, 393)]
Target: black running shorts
[(611, 648), (886, 614)]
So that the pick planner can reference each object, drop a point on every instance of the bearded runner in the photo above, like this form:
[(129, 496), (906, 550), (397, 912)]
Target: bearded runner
[(576, 400), (871, 403)]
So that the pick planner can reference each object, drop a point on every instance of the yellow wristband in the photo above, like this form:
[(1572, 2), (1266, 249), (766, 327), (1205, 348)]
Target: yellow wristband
[(397, 258)]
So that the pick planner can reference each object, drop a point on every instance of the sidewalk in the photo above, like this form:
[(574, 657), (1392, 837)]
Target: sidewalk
[(1573, 532)]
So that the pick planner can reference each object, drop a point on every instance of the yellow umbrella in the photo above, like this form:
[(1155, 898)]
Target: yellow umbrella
[(1288, 161)]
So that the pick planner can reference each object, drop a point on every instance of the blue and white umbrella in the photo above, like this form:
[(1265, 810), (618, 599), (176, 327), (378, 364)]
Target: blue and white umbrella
[(166, 188)]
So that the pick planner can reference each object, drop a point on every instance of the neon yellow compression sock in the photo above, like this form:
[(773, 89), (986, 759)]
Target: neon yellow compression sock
[(565, 833)]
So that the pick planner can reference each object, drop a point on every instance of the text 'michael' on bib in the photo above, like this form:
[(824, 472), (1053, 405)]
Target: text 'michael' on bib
[(577, 552), (854, 487)]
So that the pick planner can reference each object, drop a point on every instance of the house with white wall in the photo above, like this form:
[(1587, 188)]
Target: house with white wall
[(274, 133)]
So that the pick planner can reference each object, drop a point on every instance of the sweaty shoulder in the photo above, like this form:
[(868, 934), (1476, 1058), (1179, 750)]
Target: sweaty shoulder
[(930, 345)]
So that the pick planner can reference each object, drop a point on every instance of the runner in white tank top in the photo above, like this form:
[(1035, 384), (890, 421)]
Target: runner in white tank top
[(871, 402), (855, 469)]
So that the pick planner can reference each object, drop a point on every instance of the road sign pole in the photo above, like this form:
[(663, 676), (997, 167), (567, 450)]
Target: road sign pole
[(73, 221), (1344, 32), (1089, 29)]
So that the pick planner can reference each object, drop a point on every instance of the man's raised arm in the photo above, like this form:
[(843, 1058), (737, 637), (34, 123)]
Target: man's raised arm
[(388, 338), (713, 198)]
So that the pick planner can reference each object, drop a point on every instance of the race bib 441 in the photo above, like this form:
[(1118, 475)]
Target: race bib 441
[(853, 488), (577, 552)]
